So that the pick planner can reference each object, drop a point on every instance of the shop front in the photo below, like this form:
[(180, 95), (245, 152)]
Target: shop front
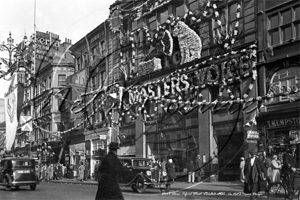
[(230, 141), (95, 147), (174, 136), (280, 130), (127, 141)]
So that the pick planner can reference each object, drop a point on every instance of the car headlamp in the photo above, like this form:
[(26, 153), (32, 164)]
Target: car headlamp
[(148, 173)]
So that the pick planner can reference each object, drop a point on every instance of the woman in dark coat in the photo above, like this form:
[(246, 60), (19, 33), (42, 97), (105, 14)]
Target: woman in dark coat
[(171, 170), (108, 187)]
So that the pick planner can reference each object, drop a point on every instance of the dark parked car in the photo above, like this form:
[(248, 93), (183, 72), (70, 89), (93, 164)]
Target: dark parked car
[(18, 171), (138, 175)]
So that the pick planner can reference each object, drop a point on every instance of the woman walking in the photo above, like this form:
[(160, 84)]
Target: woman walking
[(81, 171), (276, 166)]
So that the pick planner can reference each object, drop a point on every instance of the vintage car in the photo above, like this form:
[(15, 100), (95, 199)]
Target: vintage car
[(18, 171), (137, 174)]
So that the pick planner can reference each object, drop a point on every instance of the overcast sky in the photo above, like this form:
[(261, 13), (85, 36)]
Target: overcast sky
[(71, 19)]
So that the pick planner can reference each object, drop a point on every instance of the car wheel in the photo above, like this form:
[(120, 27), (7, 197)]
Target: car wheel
[(167, 189), (7, 184), (140, 185), (32, 187)]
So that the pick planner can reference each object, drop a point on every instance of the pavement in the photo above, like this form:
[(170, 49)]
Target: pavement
[(176, 186)]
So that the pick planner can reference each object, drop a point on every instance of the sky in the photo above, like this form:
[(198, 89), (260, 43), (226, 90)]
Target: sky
[(71, 19)]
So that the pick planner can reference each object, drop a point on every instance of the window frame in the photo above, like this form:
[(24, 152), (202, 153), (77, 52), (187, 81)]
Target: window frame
[(281, 26)]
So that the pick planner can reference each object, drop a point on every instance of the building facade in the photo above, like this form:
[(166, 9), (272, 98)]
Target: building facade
[(45, 99), (154, 55), (279, 72), (95, 60)]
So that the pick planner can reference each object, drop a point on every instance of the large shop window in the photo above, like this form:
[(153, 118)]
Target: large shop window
[(283, 81), (284, 26)]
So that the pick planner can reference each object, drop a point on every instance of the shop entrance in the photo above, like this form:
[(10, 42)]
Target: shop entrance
[(229, 157)]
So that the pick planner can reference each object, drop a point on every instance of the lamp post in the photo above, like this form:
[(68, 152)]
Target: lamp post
[(9, 47)]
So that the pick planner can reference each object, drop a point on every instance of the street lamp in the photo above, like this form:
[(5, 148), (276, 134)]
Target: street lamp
[(15, 61)]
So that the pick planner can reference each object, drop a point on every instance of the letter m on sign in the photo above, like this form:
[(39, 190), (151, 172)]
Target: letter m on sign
[(26, 123)]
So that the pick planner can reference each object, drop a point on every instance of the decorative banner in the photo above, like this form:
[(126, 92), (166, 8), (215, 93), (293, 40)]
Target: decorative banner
[(27, 125), (11, 103)]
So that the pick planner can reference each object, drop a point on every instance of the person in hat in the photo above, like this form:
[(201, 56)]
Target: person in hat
[(242, 167), (289, 167), (253, 175), (110, 168)]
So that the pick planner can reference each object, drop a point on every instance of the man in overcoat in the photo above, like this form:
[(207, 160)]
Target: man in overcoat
[(110, 168), (289, 167), (171, 170), (253, 175)]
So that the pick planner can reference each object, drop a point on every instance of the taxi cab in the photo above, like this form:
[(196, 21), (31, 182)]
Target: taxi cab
[(18, 171), (137, 174)]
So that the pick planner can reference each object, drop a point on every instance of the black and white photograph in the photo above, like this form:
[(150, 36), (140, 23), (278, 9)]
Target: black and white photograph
[(150, 99)]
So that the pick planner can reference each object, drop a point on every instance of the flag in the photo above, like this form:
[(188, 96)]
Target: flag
[(11, 104)]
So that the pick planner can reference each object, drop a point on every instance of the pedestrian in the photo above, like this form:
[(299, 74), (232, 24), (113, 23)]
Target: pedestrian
[(51, 172), (268, 164), (242, 166), (96, 172), (289, 167), (81, 172), (191, 171), (55, 172), (60, 172), (38, 171), (253, 175), (276, 166), (199, 172), (261, 155), (43, 172), (86, 170), (154, 169), (163, 167), (109, 170), (171, 170)]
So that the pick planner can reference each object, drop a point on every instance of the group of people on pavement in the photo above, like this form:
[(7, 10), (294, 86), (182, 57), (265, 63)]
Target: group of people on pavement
[(50, 172), (160, 168), (195, 170), (260, 170)]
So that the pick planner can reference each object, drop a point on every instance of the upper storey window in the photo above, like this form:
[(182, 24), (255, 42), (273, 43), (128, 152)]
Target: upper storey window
[(285, 80), (284, 26)]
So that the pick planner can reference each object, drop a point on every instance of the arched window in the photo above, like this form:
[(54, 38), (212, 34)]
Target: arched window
[(283, 81)]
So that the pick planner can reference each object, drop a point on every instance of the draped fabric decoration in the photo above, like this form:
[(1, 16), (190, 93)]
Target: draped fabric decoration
[(11, 103)]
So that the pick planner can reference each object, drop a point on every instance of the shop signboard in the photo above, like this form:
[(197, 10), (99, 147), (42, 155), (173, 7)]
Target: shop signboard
[(252, 135)]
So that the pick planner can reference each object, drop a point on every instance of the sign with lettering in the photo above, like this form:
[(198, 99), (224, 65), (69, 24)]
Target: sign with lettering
[(252, 135), (46, 43), (283, 122)]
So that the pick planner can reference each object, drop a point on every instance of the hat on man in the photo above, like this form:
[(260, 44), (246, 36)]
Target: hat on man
[(242, 158), (252, 152), (114, 146), (292, 146)]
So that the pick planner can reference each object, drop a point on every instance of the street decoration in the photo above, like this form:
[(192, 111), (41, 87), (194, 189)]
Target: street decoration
[(11, 103), (115, 18), (182, 89), (189, 42)]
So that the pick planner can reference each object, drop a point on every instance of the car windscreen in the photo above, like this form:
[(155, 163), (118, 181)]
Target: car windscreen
[(23, 163)]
